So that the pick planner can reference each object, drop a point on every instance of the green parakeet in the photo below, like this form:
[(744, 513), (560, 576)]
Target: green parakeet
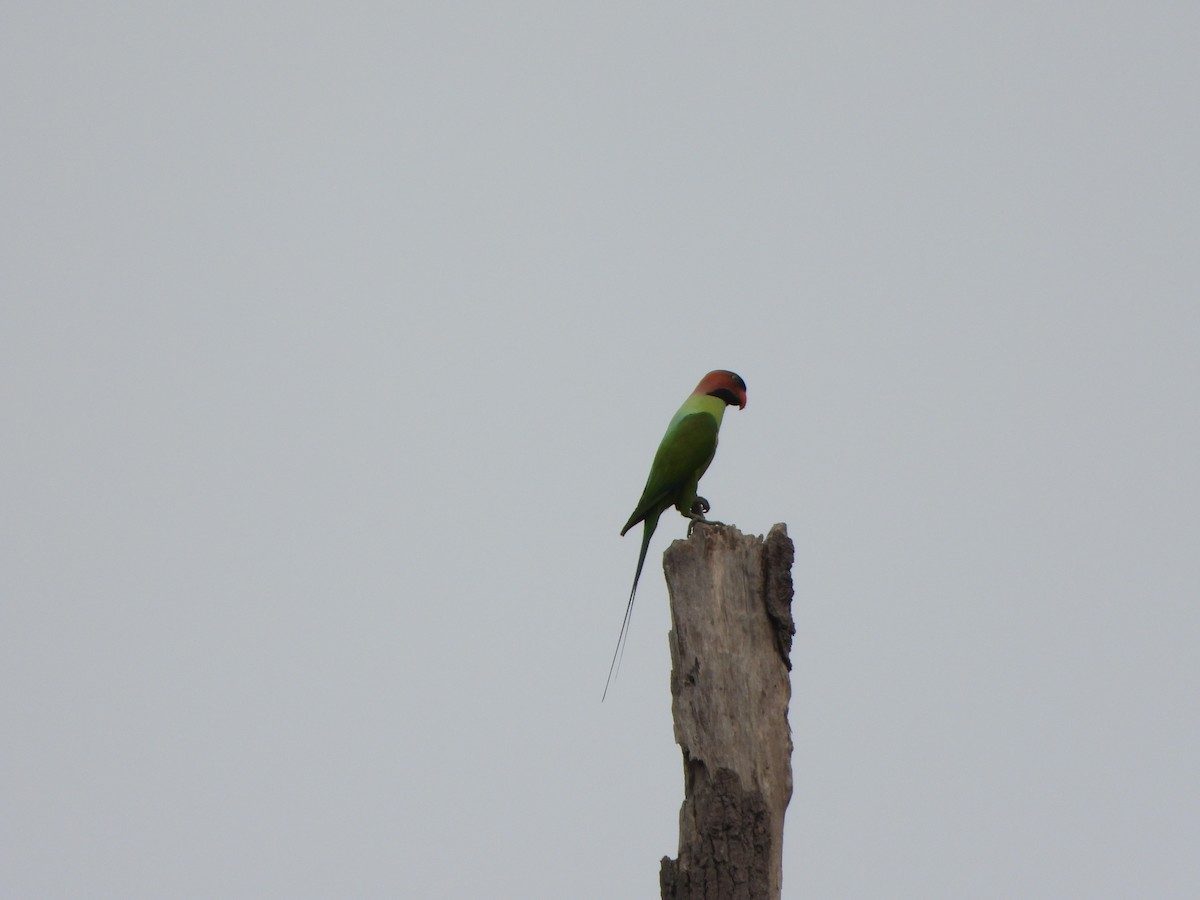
[(682, 458)]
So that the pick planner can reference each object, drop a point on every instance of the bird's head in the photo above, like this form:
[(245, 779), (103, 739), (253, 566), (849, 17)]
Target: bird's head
[(724, 385)]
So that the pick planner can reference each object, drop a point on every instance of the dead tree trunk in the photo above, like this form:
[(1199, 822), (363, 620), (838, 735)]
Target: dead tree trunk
[(731, 639)]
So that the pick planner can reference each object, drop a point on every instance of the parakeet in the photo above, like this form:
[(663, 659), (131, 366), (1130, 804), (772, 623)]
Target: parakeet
[(683, 456)]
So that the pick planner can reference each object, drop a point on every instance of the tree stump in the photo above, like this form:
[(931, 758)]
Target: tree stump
[(731, 641)]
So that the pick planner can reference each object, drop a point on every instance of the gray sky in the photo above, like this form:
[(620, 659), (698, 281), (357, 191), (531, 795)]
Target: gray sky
[(335, 345)]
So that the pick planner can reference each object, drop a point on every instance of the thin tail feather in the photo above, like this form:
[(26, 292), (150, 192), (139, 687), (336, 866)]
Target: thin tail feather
[(619, 652)]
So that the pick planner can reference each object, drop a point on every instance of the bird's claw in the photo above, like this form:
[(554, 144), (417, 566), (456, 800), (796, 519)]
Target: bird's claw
[(699, 507)]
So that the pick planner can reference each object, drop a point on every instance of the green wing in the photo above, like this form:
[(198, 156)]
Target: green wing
[(682, 457)]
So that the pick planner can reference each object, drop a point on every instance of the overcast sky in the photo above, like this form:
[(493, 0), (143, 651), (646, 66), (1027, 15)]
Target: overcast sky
[(335, 345)]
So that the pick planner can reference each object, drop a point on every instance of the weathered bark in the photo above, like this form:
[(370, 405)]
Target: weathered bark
[(731, 598)]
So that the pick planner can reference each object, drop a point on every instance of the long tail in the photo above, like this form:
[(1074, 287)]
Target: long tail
[(614, 667)]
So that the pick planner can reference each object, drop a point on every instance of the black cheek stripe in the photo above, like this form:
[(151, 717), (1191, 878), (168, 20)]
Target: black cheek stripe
[(726, 395)]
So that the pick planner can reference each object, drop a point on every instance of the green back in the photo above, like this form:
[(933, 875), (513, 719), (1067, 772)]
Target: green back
[(683, 456)]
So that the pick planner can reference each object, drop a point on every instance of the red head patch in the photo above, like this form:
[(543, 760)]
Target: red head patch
[(725, 385)]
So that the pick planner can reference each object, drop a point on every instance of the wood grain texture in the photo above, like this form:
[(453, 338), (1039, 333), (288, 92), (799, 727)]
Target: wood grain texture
[(731, 637)]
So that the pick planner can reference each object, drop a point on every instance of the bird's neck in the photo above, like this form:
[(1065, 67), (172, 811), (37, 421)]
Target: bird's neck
[(702, 403)]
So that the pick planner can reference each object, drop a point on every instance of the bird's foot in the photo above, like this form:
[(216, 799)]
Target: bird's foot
[(699, 507), (700, 520)]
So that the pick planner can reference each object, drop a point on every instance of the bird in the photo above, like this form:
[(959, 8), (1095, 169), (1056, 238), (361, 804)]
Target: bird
[(683, 456)]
